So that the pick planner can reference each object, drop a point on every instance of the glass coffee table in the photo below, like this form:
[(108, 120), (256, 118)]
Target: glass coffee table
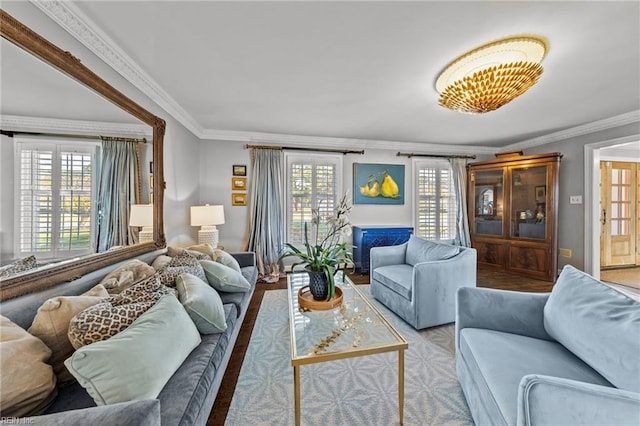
[(355, 328)]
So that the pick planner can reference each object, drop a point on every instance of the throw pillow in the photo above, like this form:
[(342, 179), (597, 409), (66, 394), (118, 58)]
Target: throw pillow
[(149, 290), (223, 278), (598, 324), (226, 259), (202, 303), (161, 340), (204, 249), (102, 321), (175, 251), (421, 250), (181, 264), (18, 266), (27, 382), (161, 261), (51, 325), (125, 275)]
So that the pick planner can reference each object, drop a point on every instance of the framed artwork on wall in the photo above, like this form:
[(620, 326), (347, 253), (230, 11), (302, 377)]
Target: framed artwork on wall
[(238, 199), (239, 170), (378, 183), (239, 184)]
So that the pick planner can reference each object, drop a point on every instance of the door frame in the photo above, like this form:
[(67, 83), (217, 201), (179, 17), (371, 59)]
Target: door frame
[(591, 201)]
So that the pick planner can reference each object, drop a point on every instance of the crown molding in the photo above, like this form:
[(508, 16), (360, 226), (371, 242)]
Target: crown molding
[(75, 22), (342, 143), (18, 123), (581, 130)]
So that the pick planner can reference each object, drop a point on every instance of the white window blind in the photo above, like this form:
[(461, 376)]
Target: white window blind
[(55, 186), (313, 183), (435, 200)]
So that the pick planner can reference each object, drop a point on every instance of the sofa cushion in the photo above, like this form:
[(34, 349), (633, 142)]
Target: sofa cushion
[(51, 325), (27, 382), (177, 251), (125, 275), (223, 278), (226, 259), (136, 363), (205, 248), (396, 277), (202, 303), (161, 261), (598, 324), (420, 250), (498, 361)]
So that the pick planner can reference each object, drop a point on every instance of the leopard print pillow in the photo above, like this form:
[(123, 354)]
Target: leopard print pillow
[(149, 290), (20, 265), (183, 263), (102, 321)]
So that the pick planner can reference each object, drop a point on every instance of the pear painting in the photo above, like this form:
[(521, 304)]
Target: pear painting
[(378, 183)]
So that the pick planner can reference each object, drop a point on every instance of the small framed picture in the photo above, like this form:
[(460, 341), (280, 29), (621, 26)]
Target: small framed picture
[(238, 199), (541, 194), (239, 184), (239, 170)]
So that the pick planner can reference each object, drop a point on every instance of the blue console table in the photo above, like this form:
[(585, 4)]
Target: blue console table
[(365, 237)]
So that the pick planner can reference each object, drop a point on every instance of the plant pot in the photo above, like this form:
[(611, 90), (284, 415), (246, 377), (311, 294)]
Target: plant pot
[(318, 284)]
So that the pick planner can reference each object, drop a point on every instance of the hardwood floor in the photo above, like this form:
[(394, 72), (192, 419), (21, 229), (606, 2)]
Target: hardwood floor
[(488, 279)]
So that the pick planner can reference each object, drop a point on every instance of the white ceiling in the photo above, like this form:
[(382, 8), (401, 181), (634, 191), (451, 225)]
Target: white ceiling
[(366, 70)]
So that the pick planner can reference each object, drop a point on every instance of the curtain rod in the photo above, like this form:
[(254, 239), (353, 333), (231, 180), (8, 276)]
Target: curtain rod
[(63, 135), (411, 154), (297, 148)]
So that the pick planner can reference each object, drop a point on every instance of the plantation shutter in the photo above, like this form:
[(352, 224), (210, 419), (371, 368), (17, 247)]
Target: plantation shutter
[(435, 201), (313, 183), (55, 189)]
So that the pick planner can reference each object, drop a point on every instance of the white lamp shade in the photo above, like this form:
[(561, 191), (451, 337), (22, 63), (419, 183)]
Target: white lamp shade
[(207, 215), (141, 215)]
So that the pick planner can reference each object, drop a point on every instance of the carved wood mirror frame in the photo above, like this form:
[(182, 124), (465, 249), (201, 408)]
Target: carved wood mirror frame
[(28, 40)]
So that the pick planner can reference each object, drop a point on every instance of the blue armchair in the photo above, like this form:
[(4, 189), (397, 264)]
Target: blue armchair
[(418, 280)]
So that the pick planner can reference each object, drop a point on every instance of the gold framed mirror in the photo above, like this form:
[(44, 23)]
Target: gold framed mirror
[(29, 41)]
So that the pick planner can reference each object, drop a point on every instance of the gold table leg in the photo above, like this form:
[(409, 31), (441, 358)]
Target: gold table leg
[(401, 385), (296, 392)]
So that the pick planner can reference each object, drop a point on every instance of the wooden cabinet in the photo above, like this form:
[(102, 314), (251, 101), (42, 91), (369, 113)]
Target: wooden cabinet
[(513, 213), (366, 237)]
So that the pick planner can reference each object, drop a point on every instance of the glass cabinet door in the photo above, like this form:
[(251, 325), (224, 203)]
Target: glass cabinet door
[(488, 202), (529, 202)]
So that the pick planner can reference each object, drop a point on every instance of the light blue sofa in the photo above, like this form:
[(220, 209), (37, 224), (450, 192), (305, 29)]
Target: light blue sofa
[(569, 357), (418, 279), (186, 399)]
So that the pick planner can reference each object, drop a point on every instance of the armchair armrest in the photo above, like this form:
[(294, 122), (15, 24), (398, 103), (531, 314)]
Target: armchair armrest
[(245, 258), (545, 400), (387, 255), (501, 310)]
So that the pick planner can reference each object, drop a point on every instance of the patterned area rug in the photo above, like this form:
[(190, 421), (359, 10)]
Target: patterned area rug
[(355, 391)]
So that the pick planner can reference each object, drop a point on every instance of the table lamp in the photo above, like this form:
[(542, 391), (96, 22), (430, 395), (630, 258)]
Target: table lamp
[(207, 217), (142, 215)]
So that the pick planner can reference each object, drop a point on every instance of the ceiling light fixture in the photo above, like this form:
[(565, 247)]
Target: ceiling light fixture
[(492, 75)]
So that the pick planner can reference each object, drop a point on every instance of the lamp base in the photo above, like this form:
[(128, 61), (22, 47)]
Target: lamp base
[(208, 235), (146, 234)]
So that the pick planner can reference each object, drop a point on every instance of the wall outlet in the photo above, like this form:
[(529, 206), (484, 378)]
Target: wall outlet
[(564, 252), (575, 199)]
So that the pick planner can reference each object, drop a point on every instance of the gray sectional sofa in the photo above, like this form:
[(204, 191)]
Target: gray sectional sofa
[(186, 399), (569, 357)]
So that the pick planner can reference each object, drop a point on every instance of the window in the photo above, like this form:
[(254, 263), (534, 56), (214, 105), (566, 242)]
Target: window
[(435, 200), (55, 193), (313, 182)]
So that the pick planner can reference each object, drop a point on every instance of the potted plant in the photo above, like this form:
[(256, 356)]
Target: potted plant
[(326, 252)]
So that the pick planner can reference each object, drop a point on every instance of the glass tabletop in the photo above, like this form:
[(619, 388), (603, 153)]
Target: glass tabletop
[(354, 328)]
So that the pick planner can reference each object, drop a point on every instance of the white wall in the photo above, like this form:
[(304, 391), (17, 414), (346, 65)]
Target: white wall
[(6, 195), (181, 147)]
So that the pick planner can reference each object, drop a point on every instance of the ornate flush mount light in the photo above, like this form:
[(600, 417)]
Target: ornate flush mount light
[(492, 75)]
